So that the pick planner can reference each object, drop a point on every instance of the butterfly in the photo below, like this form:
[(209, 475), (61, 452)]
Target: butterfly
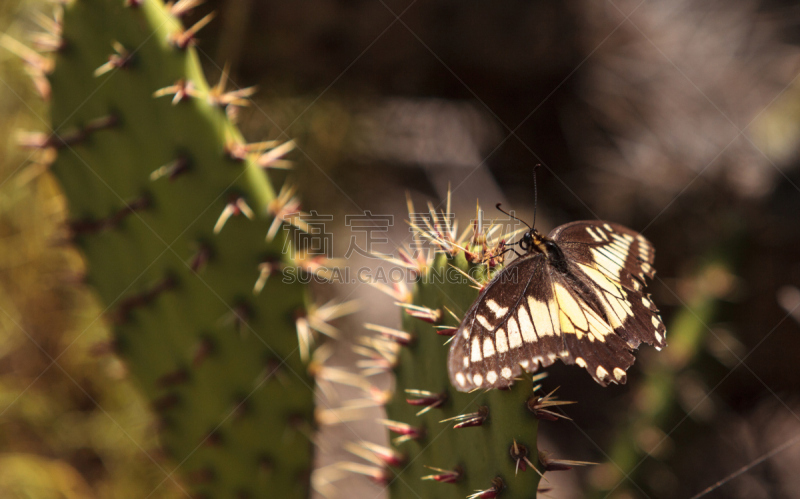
[(575, 295)]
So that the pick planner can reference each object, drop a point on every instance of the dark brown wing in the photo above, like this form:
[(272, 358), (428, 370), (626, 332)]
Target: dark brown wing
[(614, 262), (533, 313), (497, 338)]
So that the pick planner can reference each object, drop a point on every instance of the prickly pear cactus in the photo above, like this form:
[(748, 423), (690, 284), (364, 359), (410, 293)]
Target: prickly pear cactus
[(445, 443), (171, 210)]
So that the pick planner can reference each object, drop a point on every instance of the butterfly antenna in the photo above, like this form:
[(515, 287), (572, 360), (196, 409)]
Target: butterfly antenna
[(512, 216), (535, 193)]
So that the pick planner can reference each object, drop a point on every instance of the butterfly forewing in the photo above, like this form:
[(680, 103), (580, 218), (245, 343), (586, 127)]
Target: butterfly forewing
[(590, 311)]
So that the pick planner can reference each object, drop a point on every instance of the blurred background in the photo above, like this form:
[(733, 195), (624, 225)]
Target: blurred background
[(679, 119)]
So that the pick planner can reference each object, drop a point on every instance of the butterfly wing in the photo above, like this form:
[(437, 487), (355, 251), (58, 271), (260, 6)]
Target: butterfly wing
[(613, 261), (498, 338), (533, 313)]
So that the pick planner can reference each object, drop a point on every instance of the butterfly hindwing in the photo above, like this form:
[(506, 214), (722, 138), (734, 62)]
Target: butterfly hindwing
[(590, 311), (615, 261)]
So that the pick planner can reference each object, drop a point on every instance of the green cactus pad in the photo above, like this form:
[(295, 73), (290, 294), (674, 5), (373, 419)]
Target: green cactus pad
[(171, 211), (450, 444)]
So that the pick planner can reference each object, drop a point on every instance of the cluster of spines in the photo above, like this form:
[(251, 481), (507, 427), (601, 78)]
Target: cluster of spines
[(201, 380), (445, 443)]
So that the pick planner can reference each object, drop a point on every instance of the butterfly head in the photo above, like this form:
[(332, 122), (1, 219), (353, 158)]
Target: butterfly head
[(534, 242)]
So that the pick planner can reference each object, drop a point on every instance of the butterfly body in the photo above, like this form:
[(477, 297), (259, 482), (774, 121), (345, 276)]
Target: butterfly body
[(575, 295)]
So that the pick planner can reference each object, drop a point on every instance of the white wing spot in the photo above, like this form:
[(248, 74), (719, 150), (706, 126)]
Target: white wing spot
[(524, 363), (465, 333), (601, 372), (659, 337), (460, 379), (619, 373), (488, 348), (526, 326), (594, 236), (645, 302), (483, 322), (514, 339), (466, 362), (580, 362), (491, 377), (501, 340), (608, 228), (506, 372), (476, 349), (496, 309), (540, 310), (477, 380), (655, 321)]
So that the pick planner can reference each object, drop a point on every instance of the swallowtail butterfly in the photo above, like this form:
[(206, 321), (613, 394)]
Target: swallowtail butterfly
[(575, 295)]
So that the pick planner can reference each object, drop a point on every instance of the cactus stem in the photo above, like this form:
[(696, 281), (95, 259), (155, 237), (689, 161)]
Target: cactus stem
[(376, 454), (401, 337), (420, 312), (184, 38), (93, 226), (444, 476), (539, 406), (120, 59), (551, 464), (430, 400), (470, 419), (377, 474), (273, 158), (171, 170), (182, 89), (235, 207), (519, 453), (491, 492)]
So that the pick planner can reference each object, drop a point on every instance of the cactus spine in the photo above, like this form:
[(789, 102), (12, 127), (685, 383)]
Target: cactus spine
[(171, 208)]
